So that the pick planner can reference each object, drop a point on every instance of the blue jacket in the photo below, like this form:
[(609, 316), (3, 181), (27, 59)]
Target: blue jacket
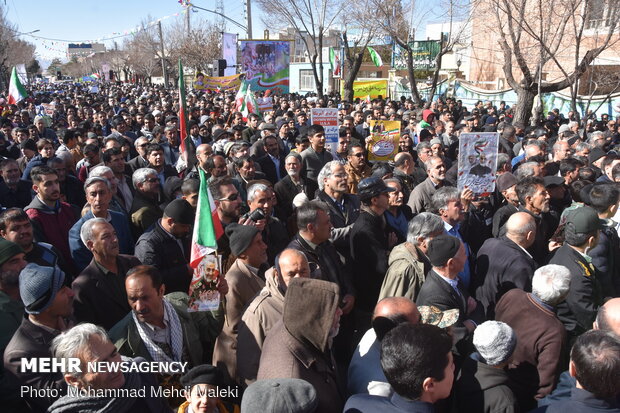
[(580, 401), (82, 255)]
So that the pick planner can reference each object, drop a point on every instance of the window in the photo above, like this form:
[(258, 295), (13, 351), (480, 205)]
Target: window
[(306, 79), (600, 13)]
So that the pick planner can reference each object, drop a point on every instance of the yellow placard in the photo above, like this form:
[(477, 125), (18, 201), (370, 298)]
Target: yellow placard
[(223, 83), (385, 136), (372, 88)]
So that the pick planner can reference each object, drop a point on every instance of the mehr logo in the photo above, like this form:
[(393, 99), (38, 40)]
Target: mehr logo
[(73, 365)]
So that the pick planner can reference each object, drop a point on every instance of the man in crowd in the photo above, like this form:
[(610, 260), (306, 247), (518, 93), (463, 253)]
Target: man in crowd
[(421, 197), (356, 167), (408, 262), (260, 197), (299, 346), (48, 303), (272, 164), (100, 296), (316, 156), (265, 311), (145, 209), (114, 159), (290, 185), (14, 192), (167, 246), (140, 160)]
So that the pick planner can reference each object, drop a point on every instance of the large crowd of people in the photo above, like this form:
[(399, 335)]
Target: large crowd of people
[(345, 284)]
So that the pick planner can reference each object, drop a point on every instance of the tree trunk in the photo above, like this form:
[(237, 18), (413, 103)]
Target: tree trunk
[(412, 81), (524, 105), (353, 68)]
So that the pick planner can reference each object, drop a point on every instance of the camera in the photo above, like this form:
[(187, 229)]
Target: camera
[(256, 215)]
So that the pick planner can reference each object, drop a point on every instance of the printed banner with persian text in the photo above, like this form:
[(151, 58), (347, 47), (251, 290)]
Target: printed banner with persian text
[(266, 64)]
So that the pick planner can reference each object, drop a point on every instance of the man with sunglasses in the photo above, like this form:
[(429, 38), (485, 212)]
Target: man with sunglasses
[(145, 210), (356, 167)]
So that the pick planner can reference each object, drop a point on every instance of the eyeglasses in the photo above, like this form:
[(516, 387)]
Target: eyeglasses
[(231, 198), (339, 176), (152, 180), (358, 155)]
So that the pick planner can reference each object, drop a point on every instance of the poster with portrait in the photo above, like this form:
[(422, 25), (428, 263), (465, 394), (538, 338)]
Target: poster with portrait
[(385, 135), (266, 64), (229, 52), (203, 292), (328, 118), (478, 162)]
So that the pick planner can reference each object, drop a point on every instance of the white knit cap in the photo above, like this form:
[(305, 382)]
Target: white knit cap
[(495, 342)]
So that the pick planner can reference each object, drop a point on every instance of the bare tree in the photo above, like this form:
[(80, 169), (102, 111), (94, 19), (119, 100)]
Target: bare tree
[(311, 20), (359, 31), (536, 35), (13, 51), (196, 49)]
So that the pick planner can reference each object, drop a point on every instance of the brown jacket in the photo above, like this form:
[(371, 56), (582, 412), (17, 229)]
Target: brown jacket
[(260, 316), (354, 177), (243, 285), (298, 346)]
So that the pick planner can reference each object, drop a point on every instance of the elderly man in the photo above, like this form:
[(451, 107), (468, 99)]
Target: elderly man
[(145, 210), (404, 168), (418, 364), (140, 160), (299, 346), (265, 311), (356, 167), (159, 328), (365, 374), (443, 289), (542, 337), (370, 246), (421, 197), (316, 156), (98, 196), (246, 243), (260, 202), (14, 192), (504, 263), (71, 190), (506, 185), (291, 185), (114, 159), (167, 246), (408, 262), (49, 304), (344, 208), (581, 233), (100, 296), (90, 343)]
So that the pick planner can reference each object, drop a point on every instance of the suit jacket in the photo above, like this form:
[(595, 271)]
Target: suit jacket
[(31, 341), (144, 212), (436, 291), (501, 266), (342, 221), (312, 162), (243, 285), (286, 190), (269, 168), (101, 298), (421, 197), (366, 403), (137, 163)]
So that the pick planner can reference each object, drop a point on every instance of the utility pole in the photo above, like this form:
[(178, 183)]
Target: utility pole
[(161, 50), (187, 25), (248, 8)]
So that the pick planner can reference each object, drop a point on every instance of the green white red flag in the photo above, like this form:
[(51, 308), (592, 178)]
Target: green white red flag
[(245, 102), (183, 130), (207, 226), (17, 91)]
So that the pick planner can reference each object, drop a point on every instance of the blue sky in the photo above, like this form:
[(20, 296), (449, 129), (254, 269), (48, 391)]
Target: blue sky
[(90, 20)]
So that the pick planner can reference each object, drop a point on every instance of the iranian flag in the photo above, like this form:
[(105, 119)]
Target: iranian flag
[(245, 102), (182, 113), (17, 92), (207, 226)]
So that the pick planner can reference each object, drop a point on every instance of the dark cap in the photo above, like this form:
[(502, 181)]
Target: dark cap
[(505, 181), (596, 154), (220, 134), (181, 211), (373, 186), (280, 395), (584, 220), (442, 248), (8, 250), (203, 374), (170, 118), (553, 180), (240, 237), (267, 126), (28, 144)]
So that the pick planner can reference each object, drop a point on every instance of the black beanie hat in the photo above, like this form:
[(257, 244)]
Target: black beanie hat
[(240, 237), (442, 248)]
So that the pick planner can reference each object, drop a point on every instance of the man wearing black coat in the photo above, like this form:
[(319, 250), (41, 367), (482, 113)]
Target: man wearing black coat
[(370, 246), (272, 164), (581, 233), (167, 246), (291, 185), (504, 263), (444, 290)]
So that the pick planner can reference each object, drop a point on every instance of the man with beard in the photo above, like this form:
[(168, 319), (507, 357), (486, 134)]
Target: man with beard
[(51, 217), (356, 167), (299, 346), (421, 197), (11, 306), (14, 192), (272, 164), (71, 190), (291, 185)]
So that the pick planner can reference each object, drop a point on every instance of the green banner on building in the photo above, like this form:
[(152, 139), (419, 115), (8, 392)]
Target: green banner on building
[(424, 54)]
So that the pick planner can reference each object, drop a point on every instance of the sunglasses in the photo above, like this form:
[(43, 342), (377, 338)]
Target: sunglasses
[(152, 180), (232, 197)]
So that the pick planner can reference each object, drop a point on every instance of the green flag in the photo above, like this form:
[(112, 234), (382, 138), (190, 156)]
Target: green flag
[(374, 56)]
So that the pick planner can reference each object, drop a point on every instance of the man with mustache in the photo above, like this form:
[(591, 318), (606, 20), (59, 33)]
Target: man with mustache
[(52, 219)]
